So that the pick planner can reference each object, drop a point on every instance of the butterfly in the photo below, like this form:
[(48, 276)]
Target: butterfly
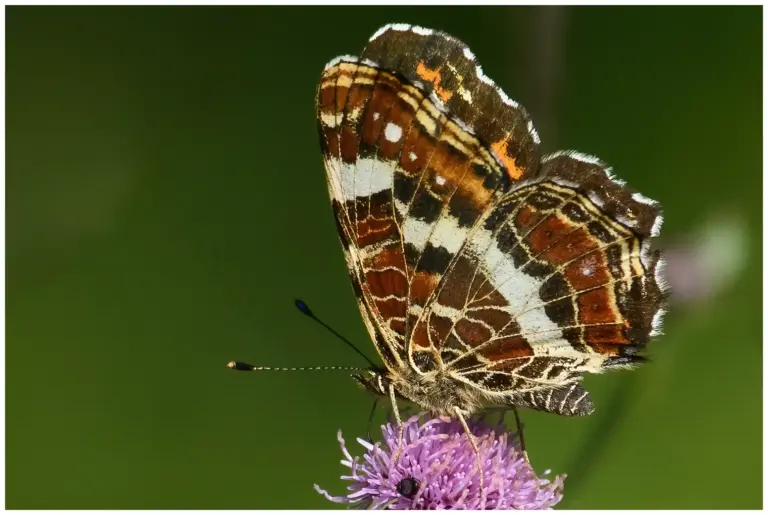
[(485, 273)]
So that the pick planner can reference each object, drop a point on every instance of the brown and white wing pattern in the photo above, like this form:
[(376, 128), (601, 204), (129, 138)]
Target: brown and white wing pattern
[(557, 280), (472, 257), (407, 176), (480, 143)]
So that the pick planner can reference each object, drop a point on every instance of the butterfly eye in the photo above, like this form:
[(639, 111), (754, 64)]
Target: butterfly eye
[(407, 487), (373, 381)]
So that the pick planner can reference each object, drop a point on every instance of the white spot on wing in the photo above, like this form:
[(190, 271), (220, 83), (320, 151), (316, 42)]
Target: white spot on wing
[(440, 180), (465, 94), (416, 232), (328, 119), (468, 54), (354, 114), (412, 156), (367, 173), (401, 207), (393, 132), (448, 234), (376, 116)]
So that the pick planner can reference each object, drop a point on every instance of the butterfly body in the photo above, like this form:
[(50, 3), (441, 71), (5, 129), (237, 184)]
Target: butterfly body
[(484, 272), (438, 394)]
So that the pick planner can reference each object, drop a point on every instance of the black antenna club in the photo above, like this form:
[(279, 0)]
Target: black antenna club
[(239, 365), (302, 306)]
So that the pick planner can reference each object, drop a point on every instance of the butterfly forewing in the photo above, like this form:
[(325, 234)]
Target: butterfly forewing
[(352, 98), (448, 177), (470, 257)]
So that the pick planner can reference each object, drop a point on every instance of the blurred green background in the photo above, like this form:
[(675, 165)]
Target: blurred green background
[(166, 202)]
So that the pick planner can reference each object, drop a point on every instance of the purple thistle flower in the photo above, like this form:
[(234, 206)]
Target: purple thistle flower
[(437, 469)]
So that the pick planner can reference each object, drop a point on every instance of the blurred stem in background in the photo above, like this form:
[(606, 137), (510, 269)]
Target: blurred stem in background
[(544, 46)]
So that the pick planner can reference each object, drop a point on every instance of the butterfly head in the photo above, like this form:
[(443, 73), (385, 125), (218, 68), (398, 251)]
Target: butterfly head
[(373, 380), (437, 395)]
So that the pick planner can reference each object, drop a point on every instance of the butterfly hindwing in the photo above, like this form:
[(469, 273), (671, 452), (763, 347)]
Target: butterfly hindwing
[(551, 284)]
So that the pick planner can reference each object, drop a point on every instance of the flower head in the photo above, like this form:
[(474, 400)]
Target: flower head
[(437, 469)]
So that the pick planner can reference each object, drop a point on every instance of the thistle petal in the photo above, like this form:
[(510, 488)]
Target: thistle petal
[(439, 456)]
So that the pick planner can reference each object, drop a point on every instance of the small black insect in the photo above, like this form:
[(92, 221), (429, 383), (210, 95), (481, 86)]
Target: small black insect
[(407, 487)]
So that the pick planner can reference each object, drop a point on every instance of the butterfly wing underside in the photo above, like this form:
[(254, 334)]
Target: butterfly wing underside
[(400, 171), (469, 255), (557, 280)]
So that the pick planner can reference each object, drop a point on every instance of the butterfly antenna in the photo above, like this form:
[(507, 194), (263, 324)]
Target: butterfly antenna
[(239, 365), (305, 309)]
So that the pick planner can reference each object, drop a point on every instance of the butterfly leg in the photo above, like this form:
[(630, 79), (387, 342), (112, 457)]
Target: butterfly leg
[(370, 419), (473, 443), (519, 425), (400, 427)]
